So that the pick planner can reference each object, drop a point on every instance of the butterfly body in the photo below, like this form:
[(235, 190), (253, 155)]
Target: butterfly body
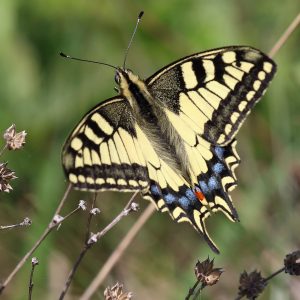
[(172, 136)]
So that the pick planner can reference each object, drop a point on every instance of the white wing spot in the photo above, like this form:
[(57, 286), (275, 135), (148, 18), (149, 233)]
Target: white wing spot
[(250, 95), (209, 68), (261, 75), (256, 85), (268, 67), (242, 105), (81, 178), (189, 75), (76, 144), (73, 178), (229, 57), (102, 123)]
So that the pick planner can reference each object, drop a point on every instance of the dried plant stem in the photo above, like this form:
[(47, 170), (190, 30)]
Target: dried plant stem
[(88, 225), (3, 149), (96, 238), (198, 292), (192, 290), (26, 222), (118, 252), (275, 274), (30, 288), (281, 41), (49, 228)]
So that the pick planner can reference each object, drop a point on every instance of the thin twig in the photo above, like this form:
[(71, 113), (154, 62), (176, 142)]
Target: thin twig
[(95, 238), (25, 223), (118, 252), (49, 228), (198, 292), (192, 290), (88, 225), (3, 149), (281, 41), (34, 262), (275, 274)]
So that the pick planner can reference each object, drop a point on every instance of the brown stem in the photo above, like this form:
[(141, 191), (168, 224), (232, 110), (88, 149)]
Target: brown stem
[(192, 290), (274, 274), (88, 225), (91, 242), (3, 149), (30, 288), (281, 41), (49, 228), (118, 252)]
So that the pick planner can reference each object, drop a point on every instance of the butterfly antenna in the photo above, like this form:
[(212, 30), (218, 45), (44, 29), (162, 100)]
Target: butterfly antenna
[(86, 60), (132, 36)]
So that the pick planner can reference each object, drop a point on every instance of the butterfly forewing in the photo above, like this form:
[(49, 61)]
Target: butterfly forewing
[(103, 153), (213, 92)]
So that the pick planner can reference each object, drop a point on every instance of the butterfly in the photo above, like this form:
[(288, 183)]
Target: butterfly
[(172, 136)]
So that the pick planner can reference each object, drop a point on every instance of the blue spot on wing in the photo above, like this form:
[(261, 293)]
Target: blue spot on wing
[(213, 183), (169, 198), (205, 189), (184, 202), (155, 190), (191, 195), (220, 152), (218, 168)]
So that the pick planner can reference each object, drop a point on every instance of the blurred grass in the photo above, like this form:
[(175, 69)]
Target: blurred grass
[(46, 96)]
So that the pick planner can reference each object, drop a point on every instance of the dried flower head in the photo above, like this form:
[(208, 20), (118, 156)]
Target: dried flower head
[(206, 273), (82, 205), (13, 139), (251, 285), (292, 263), (95, 211), (134, 206), (26, 222), (116, 293), (5, 176), (34, 261)]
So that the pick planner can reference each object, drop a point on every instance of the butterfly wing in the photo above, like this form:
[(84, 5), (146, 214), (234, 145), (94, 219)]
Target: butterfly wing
[(102, 152), (207, 96), (212, 92)]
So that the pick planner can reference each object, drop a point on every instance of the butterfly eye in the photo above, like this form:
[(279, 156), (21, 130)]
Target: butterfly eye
[(117, 78)]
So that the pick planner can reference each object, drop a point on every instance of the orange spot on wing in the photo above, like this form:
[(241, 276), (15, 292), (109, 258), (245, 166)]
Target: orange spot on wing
[(199, 195)]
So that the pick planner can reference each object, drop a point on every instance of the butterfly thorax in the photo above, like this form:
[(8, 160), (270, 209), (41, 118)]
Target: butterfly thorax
[(149, 113)]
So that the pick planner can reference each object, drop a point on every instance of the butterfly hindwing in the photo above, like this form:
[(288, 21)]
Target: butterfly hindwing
[(212, 92), (103, 153)]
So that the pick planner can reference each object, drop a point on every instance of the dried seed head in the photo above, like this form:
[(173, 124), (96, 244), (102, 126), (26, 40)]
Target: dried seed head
[(116, 293), (82, 205), (251, 285), (206, 273), (34, 261), (5, 176), (95, 211), (26, 222), (292, 263), (14, 140), (134, 206)]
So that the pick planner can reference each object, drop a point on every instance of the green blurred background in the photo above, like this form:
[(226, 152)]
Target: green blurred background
[(46, 96)]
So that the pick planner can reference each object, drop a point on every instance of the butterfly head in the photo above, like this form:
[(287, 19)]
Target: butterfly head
[(124, 78)]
